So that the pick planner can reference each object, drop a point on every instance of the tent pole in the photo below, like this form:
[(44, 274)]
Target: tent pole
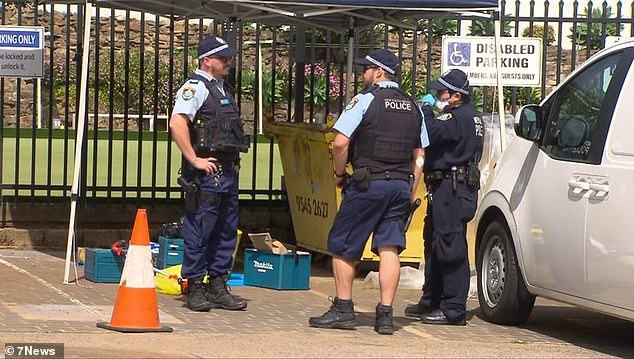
[(79, 140), (350, 66), (498, 54)]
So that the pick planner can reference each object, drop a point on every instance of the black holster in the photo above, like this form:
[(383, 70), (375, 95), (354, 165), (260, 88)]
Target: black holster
[(473, 175), (192, 194), (361, 178)]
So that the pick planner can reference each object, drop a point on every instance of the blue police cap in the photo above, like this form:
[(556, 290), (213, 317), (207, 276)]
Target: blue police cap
[(382, 58), (454, 80), (214, 45)]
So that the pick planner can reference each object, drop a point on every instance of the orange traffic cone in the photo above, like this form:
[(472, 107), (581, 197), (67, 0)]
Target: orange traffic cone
[(136, 307)]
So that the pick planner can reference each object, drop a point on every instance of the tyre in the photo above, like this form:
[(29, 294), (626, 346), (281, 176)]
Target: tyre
[(502, 292)]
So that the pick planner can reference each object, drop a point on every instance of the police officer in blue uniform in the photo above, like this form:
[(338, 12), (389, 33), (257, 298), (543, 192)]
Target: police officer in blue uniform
[(453, 179), (382, 134), (207, 128)]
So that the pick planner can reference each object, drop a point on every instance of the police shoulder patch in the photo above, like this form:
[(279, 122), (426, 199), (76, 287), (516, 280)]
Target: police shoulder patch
[(352, 103), (444, 117), (188, 93)]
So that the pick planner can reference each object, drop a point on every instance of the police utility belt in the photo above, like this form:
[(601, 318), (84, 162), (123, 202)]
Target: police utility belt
[(469, 175), (361, 177), (460, 173)]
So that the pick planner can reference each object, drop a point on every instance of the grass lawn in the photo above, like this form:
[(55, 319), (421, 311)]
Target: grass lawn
[(36, 155)]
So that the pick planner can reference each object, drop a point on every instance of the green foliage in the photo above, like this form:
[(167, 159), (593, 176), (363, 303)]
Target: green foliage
[(487, 28), (121, 93), (249, 83), (407, 78), (322, 86), (591, 35), (439, 27), (538, 32), (524, 96)]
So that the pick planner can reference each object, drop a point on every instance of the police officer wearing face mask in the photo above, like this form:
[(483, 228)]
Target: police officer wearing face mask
[(382, 133), (452, 178), (207, 128)]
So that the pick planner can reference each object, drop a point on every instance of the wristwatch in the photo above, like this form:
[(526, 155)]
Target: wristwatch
[(340, 176)]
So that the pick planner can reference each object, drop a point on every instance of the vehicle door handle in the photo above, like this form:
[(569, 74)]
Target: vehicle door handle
[(578, 187), (600, 189)]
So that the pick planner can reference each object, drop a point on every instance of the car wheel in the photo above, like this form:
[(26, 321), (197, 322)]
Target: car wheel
[(502, 292)]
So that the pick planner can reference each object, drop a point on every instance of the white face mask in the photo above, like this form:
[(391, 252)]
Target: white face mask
[(441, 104)]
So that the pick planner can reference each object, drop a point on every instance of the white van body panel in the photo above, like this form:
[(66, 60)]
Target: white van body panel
[(572, 223)]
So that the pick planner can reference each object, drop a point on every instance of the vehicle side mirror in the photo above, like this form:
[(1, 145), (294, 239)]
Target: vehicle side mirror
[(528, 122)]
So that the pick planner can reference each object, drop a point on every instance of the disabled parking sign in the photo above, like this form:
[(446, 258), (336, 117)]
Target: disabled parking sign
[(520, 59), (459, 54)]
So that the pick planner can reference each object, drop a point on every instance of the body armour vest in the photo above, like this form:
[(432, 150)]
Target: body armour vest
[(388, 132), (217, 129)]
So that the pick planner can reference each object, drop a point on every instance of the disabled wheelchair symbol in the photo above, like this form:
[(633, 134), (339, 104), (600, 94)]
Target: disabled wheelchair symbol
[(459, 54)]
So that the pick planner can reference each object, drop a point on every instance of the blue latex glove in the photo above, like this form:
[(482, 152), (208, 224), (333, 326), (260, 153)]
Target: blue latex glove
[(428, 99)]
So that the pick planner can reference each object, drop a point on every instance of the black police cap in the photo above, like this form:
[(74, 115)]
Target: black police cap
[(214, 45), (382, 58), (454, 80)]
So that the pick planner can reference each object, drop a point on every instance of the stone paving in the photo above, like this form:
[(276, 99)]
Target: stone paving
[(34, 300)]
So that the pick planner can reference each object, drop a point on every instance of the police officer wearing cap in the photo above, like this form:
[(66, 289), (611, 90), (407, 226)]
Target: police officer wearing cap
[(207, 128), (452, 178), (382, 134)]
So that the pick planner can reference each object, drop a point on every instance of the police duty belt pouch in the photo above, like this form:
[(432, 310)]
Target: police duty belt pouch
[(361, 178), (473, 176)]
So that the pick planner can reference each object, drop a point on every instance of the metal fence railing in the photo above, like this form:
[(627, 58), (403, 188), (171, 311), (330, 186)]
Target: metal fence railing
[(138, 60)]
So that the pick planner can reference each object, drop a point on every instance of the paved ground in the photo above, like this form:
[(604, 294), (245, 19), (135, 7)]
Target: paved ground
[(36, 307)]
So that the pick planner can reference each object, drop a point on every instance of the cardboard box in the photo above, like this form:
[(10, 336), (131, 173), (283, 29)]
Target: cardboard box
[(264, 242), (277, 271)]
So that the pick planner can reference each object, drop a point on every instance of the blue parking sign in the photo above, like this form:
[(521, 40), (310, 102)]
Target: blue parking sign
[(459, 54)]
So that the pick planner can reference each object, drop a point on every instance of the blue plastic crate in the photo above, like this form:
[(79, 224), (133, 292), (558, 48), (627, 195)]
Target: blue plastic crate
[(102, 266), (236, 280), (276, 271), (170, 252)]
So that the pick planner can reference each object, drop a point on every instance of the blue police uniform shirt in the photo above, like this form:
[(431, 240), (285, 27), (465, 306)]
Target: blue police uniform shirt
[(352, 115), (191, 96)]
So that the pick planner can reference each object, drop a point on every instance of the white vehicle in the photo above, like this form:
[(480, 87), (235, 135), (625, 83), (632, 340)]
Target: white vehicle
[(556, 218)]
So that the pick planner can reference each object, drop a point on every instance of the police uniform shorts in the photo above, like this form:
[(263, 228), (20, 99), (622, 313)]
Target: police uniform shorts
[(377, 210)]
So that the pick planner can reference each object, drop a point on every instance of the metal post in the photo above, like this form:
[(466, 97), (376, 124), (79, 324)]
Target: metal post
[(79, 141), (498, 56), (349, 65), (300, 63)]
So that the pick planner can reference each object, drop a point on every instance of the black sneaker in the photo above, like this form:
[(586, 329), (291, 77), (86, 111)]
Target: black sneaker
[(339, 316), (219, 296), (196, 298), (417, 310), (383, 323)]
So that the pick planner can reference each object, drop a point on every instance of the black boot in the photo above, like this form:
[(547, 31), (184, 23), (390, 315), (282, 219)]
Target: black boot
[(196, 298), (339, 316), (417, 310), (383, 323), (219, 296)]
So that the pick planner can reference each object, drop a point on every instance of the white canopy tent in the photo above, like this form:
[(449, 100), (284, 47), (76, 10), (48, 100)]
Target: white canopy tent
[(328, 14)]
